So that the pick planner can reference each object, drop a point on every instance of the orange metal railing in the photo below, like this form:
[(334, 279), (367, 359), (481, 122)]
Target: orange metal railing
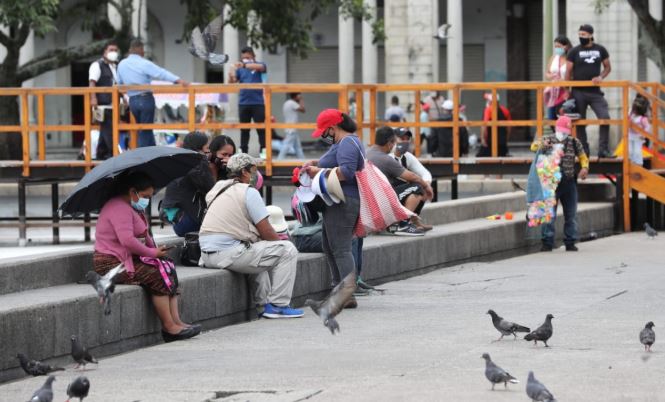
[(652, 91)]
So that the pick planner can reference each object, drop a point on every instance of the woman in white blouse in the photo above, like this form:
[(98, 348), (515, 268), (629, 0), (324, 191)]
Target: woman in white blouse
[(556, 71)]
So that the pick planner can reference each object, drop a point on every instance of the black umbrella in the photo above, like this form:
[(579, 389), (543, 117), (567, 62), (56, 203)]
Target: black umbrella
[(162, 164)]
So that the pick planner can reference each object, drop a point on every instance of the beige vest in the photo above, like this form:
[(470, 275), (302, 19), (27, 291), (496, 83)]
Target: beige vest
[(228, 213)]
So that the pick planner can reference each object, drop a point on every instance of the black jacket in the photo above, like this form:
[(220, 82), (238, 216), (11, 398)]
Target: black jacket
[(188, 192)]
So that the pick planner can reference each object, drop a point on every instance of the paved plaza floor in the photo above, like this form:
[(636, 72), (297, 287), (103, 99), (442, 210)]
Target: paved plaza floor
[(423, 339)]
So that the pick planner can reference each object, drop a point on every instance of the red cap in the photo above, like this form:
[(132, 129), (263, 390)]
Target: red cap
[(564, 124), (327, 119)]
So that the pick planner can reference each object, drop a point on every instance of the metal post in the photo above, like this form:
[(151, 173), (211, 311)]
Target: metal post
[(54, 209), (269, 195), (86, 228), (454, 193), (22, 220), (435, 190)]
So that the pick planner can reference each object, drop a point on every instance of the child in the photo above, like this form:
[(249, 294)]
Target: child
[(638, 116), (566, 189)]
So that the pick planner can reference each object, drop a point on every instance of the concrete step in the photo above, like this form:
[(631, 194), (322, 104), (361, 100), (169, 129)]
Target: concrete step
[(39, 322)]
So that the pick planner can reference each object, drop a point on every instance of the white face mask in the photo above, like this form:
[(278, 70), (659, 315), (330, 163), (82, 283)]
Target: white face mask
[(112, 56), (560, 136)]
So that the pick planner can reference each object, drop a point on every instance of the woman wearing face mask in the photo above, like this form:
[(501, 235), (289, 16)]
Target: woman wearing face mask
[(556, 71), (122, 237), (221, 149), (184, 200), (346, 153)]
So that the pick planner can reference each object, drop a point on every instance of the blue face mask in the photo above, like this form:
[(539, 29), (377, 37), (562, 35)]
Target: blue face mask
[(559, 51), (141, 204)]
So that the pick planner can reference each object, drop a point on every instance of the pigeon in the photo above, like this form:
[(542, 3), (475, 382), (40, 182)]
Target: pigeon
[(80, 354), (202, 44), (506, 327), (104, 285), (35, 367), (45, 393), (442, 32), (542, 333), (496, 374), (78, 388), (648, 336), (651, 232), (332, 305), (516, 186), (537, 391)]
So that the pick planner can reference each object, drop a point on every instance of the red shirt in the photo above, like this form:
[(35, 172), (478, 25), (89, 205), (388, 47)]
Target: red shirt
[(487, 114)]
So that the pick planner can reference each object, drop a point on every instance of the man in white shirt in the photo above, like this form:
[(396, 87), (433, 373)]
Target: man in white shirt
[(102, 73), (291, 108), (395, 112)]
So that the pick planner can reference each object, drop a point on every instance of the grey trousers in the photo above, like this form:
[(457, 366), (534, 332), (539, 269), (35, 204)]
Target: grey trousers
[(584, 99), (338, 223), (271, 264)]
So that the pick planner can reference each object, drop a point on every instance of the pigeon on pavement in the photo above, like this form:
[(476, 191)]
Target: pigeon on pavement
[(45, 393), (506, 327), (496, 374), (332, 305), (542, 333), (80, 354), (651, 232), (34, 367), (537, 391), (202, 44), (78, 388), (104, 285), (648, 336)]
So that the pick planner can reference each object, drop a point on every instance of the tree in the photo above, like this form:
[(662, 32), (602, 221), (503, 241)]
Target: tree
[(277, 23), (651, 31)]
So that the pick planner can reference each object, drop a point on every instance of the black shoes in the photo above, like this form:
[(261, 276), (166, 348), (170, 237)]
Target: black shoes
[(186, 333), (571, 247), (545, 247)]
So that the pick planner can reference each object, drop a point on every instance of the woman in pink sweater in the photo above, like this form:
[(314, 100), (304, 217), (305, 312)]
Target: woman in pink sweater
[(122, 237)]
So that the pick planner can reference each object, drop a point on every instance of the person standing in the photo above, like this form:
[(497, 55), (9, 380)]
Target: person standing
[(102, 73), (137, 70), (584, 64), (251, 105), (293, 105), (504, 132), (395, 112), (556, 71), (566, 191)]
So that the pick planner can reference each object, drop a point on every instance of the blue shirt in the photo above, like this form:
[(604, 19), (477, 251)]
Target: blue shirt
[(247, 76), (136, 70), (348, 157)]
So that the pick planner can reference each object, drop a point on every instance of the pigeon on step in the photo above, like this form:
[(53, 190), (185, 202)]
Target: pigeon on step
[(496, 374), (506, 327), (542, 333), (35, 367), (537, 391), (45, 393), (648, 336), (651, 232), (80, 354), (332, 305)]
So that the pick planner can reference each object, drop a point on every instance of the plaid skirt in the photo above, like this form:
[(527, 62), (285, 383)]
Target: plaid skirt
[(146, 276)]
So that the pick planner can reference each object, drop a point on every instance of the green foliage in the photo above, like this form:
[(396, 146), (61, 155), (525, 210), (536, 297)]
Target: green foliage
[(601, 5), (38, 14)]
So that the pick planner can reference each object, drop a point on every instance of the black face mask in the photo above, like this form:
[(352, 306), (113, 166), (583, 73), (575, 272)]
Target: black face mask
[(585, 41)]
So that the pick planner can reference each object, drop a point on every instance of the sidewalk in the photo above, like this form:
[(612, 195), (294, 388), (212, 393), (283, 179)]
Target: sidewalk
[(422, 340)]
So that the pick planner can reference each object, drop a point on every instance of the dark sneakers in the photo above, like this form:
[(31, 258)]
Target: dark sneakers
[(571, 247), (546, 247)]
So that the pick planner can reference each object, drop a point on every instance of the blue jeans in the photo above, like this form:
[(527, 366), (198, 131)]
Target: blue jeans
[(566, 194), (143, 109), (357, 251), (292, 139), (186, 225)]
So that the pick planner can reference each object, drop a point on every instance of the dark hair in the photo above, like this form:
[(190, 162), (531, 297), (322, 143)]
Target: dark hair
[(394, 100), (347, 124), (247, 49), (563, 40), (219, 142), (110, 43), (586, 28), (293, 95), (136, 43), (137, 180), (640, 105), (195, 141), (384, 135)]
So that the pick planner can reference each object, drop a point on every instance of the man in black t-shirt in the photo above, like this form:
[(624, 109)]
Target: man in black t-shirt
[(584, 63)]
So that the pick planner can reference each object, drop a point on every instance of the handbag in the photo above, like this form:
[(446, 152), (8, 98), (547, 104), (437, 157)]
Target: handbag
[(379, 205), (166, 268)]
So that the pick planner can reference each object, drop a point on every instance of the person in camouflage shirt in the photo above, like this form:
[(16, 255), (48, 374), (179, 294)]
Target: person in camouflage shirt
[(566, 191)]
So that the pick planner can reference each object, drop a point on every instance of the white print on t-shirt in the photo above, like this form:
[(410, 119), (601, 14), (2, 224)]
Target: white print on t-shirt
[(589, 56)]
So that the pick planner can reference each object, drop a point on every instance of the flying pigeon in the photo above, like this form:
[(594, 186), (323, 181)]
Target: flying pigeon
[(648, 336), (104, 285), (651, 232), (496, 374), (332, 305), (45, 393), (80, 354), (537, 391), (542, 333), (78, 388), (35, 367), (506, 327), (442, 32), (202, 44)]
